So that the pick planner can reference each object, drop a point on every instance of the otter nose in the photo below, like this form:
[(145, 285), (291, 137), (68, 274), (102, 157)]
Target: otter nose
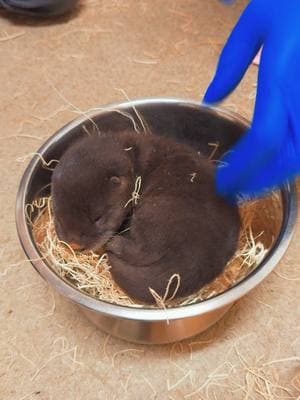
[(75, 246)]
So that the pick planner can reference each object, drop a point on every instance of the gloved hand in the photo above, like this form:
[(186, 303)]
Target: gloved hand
[(269, 152), (41, 8)]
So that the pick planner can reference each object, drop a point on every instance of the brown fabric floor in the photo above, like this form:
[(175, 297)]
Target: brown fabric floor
[(48, 350)]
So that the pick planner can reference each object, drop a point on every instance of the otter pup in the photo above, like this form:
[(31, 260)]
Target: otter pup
[(177, 224)]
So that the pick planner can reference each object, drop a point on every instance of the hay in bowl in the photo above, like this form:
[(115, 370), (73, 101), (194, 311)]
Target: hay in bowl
[(90, 272)]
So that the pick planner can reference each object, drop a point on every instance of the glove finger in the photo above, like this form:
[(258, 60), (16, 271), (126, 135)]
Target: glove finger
[(284, 166), (242, 45)]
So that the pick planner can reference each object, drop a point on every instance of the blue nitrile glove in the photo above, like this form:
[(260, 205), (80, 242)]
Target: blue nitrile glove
[(269, 152)]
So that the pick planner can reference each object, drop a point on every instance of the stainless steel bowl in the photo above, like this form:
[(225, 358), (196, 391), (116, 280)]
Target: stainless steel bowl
[(188, 122)]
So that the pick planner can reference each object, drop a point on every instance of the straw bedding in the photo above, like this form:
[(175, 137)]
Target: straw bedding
[(90, 272)]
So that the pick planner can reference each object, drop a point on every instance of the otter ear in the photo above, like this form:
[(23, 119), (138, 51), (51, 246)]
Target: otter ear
[(116, 180)]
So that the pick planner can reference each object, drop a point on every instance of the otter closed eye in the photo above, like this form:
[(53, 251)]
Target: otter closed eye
[(115, 180), (97, 219)]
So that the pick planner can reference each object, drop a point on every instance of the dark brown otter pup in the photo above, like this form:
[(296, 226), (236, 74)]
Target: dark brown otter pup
[(176, 223)]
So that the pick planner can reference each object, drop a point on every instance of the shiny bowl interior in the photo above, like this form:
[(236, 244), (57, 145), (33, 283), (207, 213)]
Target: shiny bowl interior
[(188, 122)]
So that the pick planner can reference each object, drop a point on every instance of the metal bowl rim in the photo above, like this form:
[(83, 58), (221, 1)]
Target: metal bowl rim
[(149, 314)]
